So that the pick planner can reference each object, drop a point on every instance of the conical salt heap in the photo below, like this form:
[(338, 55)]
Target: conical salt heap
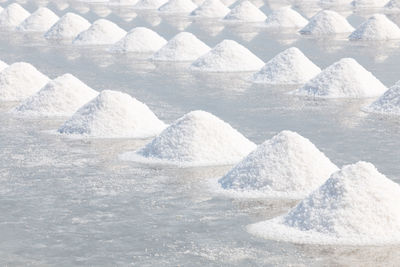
[(343, 79), (62, 96), (355, 206), (101, 32), (327, 22), (197, 139), (211, 9), (113, 114), (288, 67), (285, 17), (67, 27), (150, 4), (40, 21), (178, 6), (3, 65), (369, 3), (287, 165), (20, 80), (388, 103), (13, 15), (246, 11), (182, 47), (228, 56), (377, 28)]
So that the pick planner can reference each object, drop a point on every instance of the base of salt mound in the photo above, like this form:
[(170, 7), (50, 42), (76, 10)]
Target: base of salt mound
[(67, 27), (101, 32), (356, 206), (40, 21)]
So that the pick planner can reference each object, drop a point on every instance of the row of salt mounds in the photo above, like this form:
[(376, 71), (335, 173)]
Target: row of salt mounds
[(67, 27), (327, 22), (388, 103), (246, 11), (343, 79), (113, 114), (288, 165), (140, 40), (62, 96), (178, 6), (377, 28), (369, 3), (182, 47), (196, 139), (13, 15), (40, 21), (101, 32), (288, 67), (150, 4), (211, 9), (228, 56), (285, 17), (355, 206), (19, 81)]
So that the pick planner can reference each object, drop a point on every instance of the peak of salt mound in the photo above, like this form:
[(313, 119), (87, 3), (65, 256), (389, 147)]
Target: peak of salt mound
[(140, 40), (198, 138), (150, 4), (3, 65), (101, 32), (370, 3), (287, 165), (388, 103), (285, 17), (62, 96), (40, 21), (113, 114), (228, 56), (327, 22), (246, 11), (182, 47), (378, 28), (178, 6), (67, 27), (343, 79), (288, 67), (211, 9), (19, 81), (13, 15), (355, 206)]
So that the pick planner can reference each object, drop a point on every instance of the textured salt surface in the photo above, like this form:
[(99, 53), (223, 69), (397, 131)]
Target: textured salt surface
[(285, 17), (211, 9), (69, 26), (388, 103), (246, 11), (327, 22), (369, 3), (101, 32), (113, 114), (40, 21), (3, 65), (378, 27), (150, 4), (178, 6), (13, 15)]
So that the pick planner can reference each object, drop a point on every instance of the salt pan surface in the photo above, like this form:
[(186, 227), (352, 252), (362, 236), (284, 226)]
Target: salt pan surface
[(228, 56), (388, 103), (140, 40), (288, 67), (68, 26), (288, 165), (150, 4), (343, 79), (355, 206), (327, 22), (101, 32), (370, 3), (13, 15), (246, 11), (178, 6), (378, 27), (286, 17), (211, 9), (113, 114), (40, 21)]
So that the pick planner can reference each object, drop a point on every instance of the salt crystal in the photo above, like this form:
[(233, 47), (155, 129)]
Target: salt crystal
[(101, 32), (67, 27)]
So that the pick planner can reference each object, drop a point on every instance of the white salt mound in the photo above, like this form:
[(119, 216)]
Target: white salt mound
[(20, 80), (140, 40), (182, 47), (388, 103), (40, 21), (355, 206), (101, 32), (178, 6), (62, 96), (67, 27), (196, 139), (228, 56), (13, 15), (288, 67), (377, 28), (335, 2), (3, 65), (343, 79), (285, 17), (369, 3), (113, 114), (150, 4), (327, 22), (393, 4), (211, 9), (246, 11)]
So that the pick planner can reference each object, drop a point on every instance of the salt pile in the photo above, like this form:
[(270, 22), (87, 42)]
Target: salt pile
[(343, 79), (288, 67), (246, 11), (20, 80), (182, 47), (101, 32), (140, 40), (288, 165), (211, 9), (62, 96), (369, 3), (150, 4), (13, 15), (196, 139), (393, 4), (113, 114), (388, 103), (40, 21), (377, 28), (178, 6), (327, 22), (355, 206), (285, 17), (69, 26), (228, 56), (3, 65)]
